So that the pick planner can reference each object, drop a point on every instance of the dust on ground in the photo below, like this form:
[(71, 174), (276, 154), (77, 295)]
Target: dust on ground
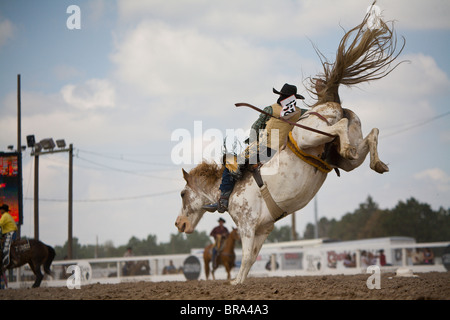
[(426, 286)]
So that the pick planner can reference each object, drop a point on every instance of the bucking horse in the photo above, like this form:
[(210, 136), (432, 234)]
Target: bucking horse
[(327, 137), (33, 252)]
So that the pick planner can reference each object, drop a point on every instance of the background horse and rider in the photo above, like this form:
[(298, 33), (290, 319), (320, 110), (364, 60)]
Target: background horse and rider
[(364, 54), (33, 252), (225, 255)]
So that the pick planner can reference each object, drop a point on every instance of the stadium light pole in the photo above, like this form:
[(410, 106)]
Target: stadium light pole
[(19, 151), (47, 146)]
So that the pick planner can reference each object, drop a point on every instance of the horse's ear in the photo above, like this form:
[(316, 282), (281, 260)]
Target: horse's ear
[(185, 175), (189, 180)]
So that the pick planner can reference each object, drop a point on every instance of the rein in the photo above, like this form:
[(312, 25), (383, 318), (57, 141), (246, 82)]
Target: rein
[(291, 123)]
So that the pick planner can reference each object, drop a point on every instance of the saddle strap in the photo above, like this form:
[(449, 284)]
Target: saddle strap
[(275, 211)]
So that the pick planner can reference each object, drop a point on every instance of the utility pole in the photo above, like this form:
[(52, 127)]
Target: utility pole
[(19, 151), (316, 228), (294, 234), (36, 197), (69, 245), (48, 145)]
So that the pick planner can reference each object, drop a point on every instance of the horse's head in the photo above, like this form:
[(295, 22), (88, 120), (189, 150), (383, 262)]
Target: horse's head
[(234, 234), (193, 199)]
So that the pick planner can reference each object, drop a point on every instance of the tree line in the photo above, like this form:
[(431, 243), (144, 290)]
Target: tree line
[(408, 219)]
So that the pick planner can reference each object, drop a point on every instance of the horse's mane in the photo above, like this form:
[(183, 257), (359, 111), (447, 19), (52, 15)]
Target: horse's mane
[(207, 173), (364, 54)]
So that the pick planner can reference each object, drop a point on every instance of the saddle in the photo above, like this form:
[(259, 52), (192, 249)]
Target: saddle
[(16, 248), (22, 245)]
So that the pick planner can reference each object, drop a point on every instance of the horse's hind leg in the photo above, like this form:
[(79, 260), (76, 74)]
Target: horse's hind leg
[(346, 149), (364, 146), (37, 272), (375, 163)]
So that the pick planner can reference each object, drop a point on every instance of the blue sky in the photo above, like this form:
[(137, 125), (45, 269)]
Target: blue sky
[(137, 71)]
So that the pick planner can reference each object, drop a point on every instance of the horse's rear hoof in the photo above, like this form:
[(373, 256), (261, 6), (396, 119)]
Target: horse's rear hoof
[(380, 167)]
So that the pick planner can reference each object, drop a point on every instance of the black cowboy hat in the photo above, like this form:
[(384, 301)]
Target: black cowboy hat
[(288, 90), (221, 219), (5, 207)]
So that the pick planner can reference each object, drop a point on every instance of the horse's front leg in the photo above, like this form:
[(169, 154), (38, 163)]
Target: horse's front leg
[(247, 245), (206, 269), (251, 245), (228, 269), (212, 272)]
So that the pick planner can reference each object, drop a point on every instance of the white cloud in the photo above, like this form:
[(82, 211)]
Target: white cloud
[(6, 31), (436, 177), (267, 19), (418, 15), (94, 93), (402, 98), (445, 137), (261, 19), (65, 72), (161, 60), (422, 73)]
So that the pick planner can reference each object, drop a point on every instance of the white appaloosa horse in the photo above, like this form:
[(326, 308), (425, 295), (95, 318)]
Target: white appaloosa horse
[(367, 57)]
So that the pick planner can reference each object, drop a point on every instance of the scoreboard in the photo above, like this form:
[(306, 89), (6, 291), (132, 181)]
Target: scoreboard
[(10, 184)]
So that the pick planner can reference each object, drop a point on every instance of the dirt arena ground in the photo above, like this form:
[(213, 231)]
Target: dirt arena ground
[(427, 286)]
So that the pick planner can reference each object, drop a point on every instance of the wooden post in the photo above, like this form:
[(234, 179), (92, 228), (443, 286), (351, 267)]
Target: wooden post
[(36, 197), (69, 243)]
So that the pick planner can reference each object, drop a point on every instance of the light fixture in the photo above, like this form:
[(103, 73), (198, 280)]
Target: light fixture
[(37, 147), (61, 143), (31, 141), (47, 144)]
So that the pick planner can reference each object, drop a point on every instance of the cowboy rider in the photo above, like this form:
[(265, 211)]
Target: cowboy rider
[(9, 233), (219, 233), (261, 140)]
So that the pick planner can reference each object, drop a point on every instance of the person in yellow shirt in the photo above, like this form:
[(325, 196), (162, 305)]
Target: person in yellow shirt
[(9, 232)]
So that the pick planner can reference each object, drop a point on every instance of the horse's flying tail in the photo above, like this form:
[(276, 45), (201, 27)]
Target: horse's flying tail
[(364, 54)]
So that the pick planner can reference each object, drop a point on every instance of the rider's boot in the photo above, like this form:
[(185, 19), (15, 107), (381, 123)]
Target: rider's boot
[(232, 177), (216, 262), (220, 206)]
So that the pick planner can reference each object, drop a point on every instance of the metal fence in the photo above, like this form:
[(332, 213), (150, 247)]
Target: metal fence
[(299, 258)]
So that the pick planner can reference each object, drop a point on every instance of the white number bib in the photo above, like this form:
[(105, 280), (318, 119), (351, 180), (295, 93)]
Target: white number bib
[(288, 106)]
